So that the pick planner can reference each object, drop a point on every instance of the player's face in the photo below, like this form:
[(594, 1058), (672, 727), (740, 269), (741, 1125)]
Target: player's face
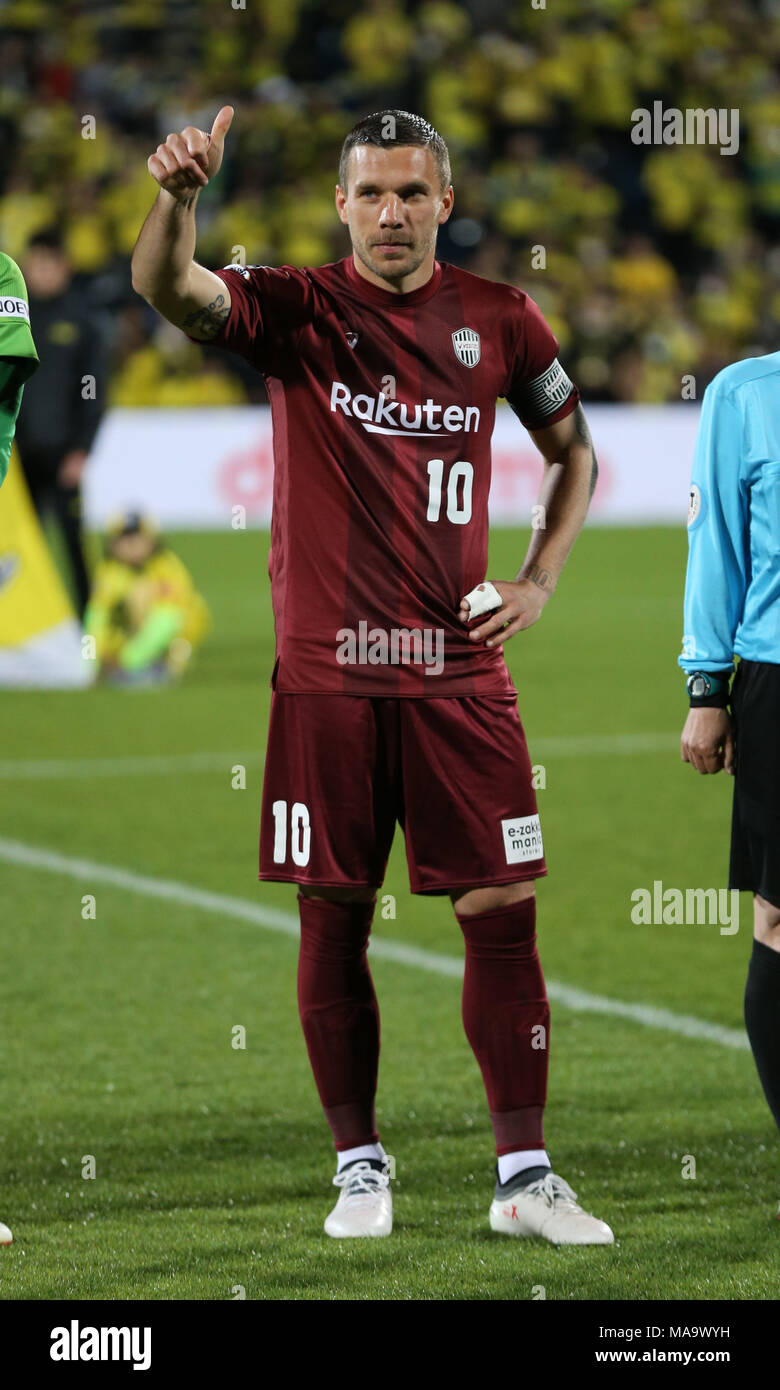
[(45, 271), (133, 549), (394, 206)]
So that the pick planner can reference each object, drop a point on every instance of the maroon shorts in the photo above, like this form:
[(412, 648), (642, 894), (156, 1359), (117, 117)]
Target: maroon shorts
[(454, 772)]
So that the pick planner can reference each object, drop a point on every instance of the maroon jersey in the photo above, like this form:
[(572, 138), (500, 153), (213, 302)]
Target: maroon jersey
[(383, 406)]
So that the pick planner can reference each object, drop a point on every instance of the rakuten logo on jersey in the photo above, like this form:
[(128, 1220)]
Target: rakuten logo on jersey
[(380, 414)]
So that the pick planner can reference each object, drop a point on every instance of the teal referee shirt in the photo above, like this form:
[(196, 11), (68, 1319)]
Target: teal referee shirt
[(732, 588)]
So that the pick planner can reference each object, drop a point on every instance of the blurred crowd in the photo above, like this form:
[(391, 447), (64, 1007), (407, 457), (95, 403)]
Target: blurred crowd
[(658, 262)]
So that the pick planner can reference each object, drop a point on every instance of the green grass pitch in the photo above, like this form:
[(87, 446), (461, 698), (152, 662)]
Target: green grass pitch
[(213, 1165)]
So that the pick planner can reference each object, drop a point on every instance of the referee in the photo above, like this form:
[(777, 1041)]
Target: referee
[(732, 605)]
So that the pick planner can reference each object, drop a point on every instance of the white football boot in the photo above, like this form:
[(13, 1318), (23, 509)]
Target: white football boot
[(5, 1235), (546, 1207), (365, 1204)]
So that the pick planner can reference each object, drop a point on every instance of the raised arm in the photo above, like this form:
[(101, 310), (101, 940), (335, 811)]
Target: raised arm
[(164, 271)]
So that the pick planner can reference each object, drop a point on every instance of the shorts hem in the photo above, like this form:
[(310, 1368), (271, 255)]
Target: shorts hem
[(420, 889), (743, 886), (318, 883), (452, 884)]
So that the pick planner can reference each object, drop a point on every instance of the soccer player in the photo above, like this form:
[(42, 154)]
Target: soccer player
[(390, 703), (18, 361), (732, 605), (18, 358)]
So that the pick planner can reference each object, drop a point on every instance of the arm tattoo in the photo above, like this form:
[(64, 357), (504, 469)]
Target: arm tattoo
[(583, 434), (210, 319), (541, 578)]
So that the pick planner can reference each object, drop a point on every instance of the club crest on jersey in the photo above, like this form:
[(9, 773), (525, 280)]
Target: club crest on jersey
[(467, 346)]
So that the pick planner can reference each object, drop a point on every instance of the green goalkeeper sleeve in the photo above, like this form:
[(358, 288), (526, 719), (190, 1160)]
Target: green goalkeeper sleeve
[(18, 358)]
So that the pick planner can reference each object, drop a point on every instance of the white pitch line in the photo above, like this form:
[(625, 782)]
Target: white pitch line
[(145, 765), (276, 919), (121, 766)]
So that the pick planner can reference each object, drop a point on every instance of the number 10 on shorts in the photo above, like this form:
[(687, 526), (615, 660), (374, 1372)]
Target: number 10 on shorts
[(299, 836)]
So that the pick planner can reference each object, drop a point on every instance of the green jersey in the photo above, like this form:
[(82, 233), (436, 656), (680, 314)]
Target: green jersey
[(18, 358)]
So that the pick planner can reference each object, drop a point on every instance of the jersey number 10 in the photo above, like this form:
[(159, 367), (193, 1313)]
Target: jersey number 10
[(458, 510)]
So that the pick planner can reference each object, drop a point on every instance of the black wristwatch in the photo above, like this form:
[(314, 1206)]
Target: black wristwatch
[(708, 689)]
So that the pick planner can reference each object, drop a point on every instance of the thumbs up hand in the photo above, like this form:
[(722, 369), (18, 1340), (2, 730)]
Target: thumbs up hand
[(185, 162)]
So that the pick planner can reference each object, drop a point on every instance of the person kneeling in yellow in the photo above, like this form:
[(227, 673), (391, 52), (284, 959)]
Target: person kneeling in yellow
[(144, 613)]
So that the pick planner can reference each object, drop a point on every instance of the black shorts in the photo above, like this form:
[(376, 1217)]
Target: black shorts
[(755, 825)]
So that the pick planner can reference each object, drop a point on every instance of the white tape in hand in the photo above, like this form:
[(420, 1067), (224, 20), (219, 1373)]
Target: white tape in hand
[(483, 599)]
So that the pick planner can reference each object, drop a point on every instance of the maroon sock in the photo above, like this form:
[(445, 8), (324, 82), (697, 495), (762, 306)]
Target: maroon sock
[(339, 1014), (504, 1000)]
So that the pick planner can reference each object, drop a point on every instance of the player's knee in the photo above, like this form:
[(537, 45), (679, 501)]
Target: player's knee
[(469, 902), (338, 895), (766, 922)]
